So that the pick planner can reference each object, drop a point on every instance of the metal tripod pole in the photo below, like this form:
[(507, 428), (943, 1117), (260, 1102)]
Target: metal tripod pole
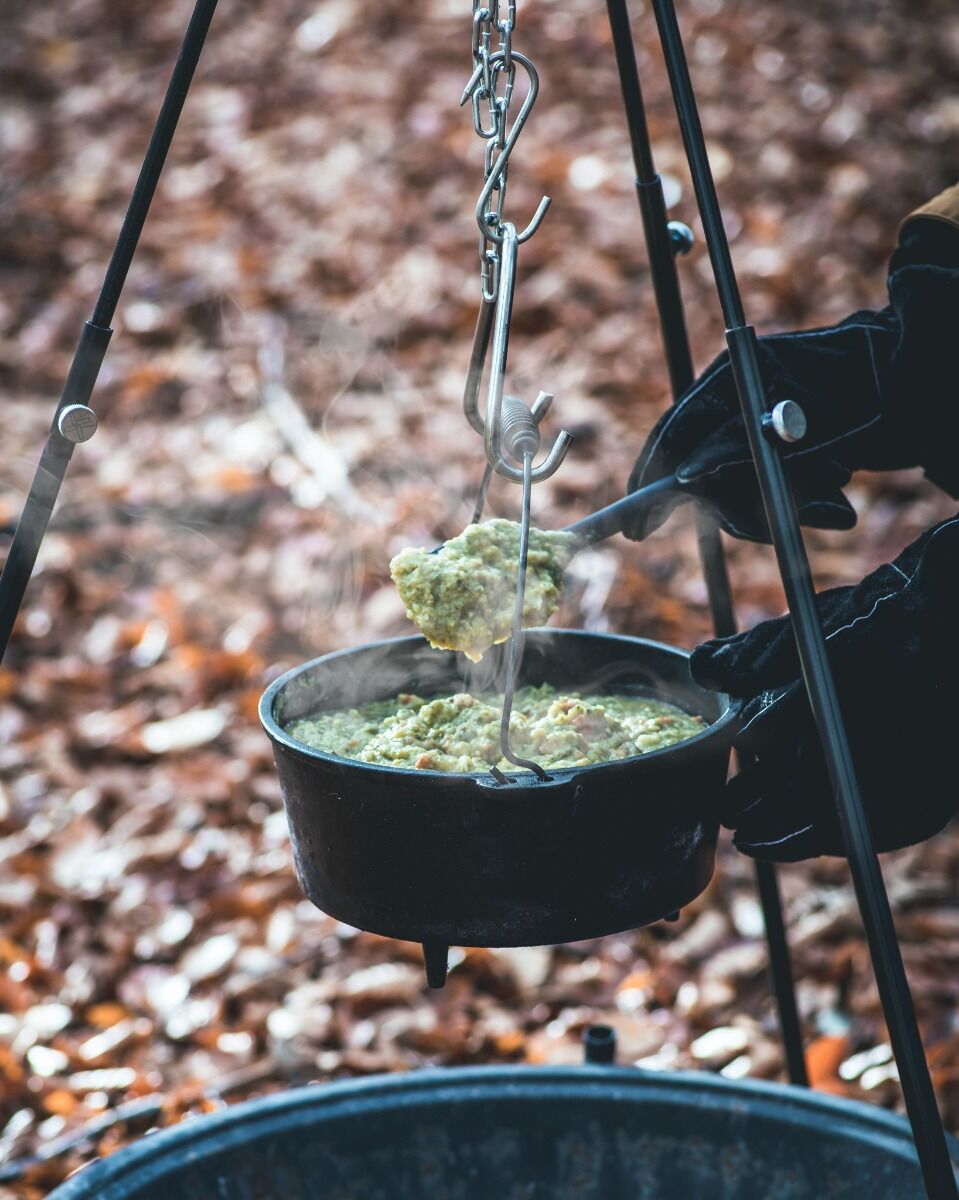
[(669, 303), (793, 563), (73, 420)]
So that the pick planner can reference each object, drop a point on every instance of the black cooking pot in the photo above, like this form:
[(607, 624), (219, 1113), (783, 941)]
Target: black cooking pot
[(462, 859), (500, 1133)]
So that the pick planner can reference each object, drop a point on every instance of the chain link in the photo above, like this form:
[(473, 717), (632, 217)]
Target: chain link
[(490, 88)]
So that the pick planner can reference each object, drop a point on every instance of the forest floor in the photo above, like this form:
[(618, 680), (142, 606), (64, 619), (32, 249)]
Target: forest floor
[(310, 260)]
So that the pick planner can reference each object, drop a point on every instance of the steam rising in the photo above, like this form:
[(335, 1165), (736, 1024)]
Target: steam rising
[(564, 658)]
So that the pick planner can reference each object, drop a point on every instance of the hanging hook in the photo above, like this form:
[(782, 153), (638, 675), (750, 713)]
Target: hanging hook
[(474, 379), (493, 425), (491, 224), (474, 375)]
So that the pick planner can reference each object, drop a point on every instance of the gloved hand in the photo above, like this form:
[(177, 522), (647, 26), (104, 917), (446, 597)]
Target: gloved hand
[(878, 391), (893, 643)]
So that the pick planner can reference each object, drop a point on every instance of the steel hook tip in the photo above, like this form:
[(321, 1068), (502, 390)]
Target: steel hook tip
[(554, 460), (541, 406), (548, 467), (493, 222), (537, 220), (471, 85)]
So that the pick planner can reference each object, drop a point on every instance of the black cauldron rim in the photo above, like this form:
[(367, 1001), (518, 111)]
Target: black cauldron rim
[(526, 779), (804, 1107)]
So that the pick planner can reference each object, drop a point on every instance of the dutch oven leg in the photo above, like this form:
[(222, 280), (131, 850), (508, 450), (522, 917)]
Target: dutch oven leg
[(435, 960)]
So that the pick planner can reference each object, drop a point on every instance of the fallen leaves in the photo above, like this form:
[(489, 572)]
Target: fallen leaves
[(280, 413), (824, 1059), (184, 732)]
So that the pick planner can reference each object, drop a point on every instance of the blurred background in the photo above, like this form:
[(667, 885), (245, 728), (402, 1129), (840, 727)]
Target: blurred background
[(281, 412)]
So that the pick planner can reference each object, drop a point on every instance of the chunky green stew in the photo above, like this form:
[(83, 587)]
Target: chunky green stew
[(461, 598), (461, 732)]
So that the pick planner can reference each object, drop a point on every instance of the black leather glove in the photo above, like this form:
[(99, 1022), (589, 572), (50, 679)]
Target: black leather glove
[(893, 643), (879, 391)]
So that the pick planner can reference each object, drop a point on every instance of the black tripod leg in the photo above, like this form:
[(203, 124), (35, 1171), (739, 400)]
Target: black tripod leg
[(65, 432), (669, 303), (780, 968), (780, 508)]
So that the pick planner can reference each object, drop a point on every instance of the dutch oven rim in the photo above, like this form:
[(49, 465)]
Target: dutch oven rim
[(803, 1107), (278, 735)]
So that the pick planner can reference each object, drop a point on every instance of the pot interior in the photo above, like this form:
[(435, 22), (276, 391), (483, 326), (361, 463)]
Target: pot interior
[(563, 658)]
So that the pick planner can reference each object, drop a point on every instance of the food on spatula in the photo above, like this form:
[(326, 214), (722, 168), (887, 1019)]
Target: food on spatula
[(460, 733), (461, 597)]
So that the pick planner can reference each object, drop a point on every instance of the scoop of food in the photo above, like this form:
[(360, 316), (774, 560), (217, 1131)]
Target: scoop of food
[(461, 597), (460, 733)]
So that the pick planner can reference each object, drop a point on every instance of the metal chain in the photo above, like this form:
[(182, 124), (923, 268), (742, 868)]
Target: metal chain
[(493, 82), (490, 87), (509, 427)]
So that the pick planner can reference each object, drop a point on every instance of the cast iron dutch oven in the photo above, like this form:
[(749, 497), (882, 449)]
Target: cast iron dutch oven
[(461, 859)]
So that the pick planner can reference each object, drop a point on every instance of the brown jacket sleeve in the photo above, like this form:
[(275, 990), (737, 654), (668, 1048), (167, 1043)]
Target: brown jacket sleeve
[(944, 207)]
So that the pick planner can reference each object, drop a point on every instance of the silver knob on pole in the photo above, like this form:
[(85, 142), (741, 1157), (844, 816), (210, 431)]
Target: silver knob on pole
[(787, 422), (77, 423)]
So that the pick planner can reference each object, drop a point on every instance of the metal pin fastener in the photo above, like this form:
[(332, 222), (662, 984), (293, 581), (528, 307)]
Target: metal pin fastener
[(77, 423), (681, 237), (786, 422)]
